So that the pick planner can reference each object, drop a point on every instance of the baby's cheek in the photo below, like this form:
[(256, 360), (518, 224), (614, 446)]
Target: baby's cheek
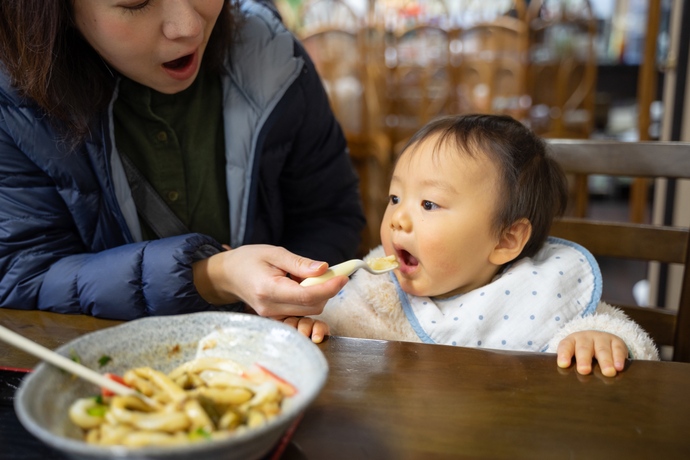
[(441, 260), (417, 287), (386, 242), (443, 279)]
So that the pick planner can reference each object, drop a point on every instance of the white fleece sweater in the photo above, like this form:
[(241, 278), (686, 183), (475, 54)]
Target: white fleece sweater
[(373, 306)]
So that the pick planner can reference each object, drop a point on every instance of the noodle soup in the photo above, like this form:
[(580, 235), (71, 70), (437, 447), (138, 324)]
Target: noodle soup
[(163, 344)]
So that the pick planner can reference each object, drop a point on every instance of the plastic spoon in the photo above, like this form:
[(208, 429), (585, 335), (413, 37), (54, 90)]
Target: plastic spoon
[(73, 367), (348, 267)]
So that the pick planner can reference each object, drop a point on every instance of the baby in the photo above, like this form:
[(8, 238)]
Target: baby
[(471, 202)]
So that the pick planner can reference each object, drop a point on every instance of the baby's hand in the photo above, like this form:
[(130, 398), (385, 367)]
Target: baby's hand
[(609, 350), (309, 327)]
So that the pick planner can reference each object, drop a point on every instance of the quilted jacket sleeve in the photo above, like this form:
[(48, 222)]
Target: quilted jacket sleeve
[(129, 281), (62, 250), (126, 282)]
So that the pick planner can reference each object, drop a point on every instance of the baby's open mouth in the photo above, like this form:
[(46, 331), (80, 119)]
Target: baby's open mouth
[(407, 259), (179, 63)]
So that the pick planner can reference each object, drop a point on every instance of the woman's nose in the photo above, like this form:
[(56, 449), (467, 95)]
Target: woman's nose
[(181, 20)]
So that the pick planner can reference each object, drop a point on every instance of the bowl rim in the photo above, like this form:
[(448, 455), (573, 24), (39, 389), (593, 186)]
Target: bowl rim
[(79, 447)]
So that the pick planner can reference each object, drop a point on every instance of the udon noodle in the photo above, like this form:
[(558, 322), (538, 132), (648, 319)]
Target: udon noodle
[(207, 398)]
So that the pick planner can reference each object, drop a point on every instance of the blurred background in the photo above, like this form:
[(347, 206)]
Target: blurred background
[(575, 69)]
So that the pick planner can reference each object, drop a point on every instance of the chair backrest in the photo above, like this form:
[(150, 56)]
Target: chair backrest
[(348, 54), (665, 244), (489, 59), (418, 87), (329, 31), (562, 68)]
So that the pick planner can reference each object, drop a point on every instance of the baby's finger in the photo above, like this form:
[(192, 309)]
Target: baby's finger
[(291, 321), (583, 357), (602, 352), (305, 326), (319, 331), (620, 354), (565, 351)]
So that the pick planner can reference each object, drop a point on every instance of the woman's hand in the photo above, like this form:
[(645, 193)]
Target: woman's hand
[(257, 275), (608, 349)]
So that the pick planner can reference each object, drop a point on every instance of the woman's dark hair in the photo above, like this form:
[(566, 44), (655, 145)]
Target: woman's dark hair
[(50, 63), (533, 186)]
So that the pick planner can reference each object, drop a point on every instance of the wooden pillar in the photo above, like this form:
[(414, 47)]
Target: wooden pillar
[(646, 93)]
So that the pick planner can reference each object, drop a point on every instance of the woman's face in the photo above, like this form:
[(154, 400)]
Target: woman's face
[(157, 43)]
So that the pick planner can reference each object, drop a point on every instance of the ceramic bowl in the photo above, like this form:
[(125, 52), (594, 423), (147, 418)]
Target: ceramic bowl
[(163, 343)]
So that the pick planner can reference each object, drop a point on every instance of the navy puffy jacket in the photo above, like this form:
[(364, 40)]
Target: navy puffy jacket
[(66, 247)]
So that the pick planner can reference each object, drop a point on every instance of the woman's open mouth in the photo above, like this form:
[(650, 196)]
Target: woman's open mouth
[(182, 68), (179, 63)]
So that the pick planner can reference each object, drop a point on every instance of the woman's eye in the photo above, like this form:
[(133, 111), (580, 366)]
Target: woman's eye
[(137, 6), (393, 199), (429, 205)]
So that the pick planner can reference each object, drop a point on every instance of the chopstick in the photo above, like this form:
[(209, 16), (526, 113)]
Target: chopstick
[(73, 367)]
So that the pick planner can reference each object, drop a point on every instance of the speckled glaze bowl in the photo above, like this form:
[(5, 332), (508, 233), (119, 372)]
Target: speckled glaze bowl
[(163, 343)]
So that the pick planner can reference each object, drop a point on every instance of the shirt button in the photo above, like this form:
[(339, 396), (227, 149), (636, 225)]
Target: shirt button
[(173, 195), (162, 136)]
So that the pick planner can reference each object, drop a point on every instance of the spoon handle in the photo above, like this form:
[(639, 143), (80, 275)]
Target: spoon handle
[(343, 269), (62, 362)]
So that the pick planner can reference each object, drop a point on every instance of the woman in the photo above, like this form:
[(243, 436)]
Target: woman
[(219, 108)]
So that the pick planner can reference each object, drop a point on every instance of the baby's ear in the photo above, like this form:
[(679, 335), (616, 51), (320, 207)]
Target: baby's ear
[(511, 242)]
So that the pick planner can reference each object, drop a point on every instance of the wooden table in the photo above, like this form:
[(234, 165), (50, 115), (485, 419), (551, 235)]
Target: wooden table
[(414, 401)]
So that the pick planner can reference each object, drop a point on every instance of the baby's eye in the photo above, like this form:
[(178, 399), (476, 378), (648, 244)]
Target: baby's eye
[(429, 205), (393, 199)]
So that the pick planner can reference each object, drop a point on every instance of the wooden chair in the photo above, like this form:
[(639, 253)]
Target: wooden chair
[(418, 85), (668, 325), (489, 59), (562, 67), (340, 44), (329, 31)]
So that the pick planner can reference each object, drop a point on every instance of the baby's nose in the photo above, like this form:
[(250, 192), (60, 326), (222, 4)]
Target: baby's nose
[(401, 221)]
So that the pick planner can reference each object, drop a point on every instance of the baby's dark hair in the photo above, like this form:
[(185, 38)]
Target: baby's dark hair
[(532, 183)]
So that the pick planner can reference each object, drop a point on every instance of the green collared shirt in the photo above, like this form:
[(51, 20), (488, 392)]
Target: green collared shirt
[(177, 142)]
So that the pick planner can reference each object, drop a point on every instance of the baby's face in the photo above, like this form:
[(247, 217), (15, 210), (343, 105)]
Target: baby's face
[(438, 221)]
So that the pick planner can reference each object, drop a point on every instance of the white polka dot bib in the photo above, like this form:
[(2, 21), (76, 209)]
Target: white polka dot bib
[(521, 309)]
